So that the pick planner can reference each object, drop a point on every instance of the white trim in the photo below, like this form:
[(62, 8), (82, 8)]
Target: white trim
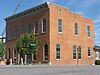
[(60, 32), (42, 26), (58, 59), (34, 28), (76, 35), (89, 37), (44, 53)]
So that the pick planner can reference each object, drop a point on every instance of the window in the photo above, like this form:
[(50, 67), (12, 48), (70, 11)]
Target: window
[(15, 32), (22, 29), (34, 56), (88, 31), (29, 27), (76, 29), (36, 27), (59, 25), (9, 34), (44, 25), (57, 51), (74, 52), (89, 52), (46, 52), (79, 52), (8, 53), (14, 55)]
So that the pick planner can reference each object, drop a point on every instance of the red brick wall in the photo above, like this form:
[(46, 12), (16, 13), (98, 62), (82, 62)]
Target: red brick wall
[(67, 39), (43, 37)]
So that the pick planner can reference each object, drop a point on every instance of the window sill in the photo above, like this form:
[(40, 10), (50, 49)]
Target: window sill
[(76, 35), (60, 32), (75, 59), (89, 56), (43, 32), (89, 37), (36, 33), (58, 59)]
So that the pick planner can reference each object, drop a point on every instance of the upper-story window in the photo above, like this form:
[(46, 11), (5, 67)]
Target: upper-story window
[(89, 51), (57, 51), (76, 28), (29, 27), (22, 29), (36, 27), (44, 25), (9, 34), (59, 25), (88, 31), (15, 32)]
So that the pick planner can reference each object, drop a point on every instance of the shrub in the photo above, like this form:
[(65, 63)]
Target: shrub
[(97, 62), (7, 62)]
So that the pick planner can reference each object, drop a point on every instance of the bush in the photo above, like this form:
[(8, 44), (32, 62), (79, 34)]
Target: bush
[(97, 62), (7, 62)]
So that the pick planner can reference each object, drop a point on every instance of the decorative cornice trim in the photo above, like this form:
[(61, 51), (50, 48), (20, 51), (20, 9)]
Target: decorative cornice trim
[(28, 12)]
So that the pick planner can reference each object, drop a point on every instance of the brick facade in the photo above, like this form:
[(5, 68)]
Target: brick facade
[(51, 37)]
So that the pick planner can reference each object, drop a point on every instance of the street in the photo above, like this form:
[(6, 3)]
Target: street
[(49, 70)]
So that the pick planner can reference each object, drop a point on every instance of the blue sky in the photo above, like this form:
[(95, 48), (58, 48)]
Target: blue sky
[(88, 8)]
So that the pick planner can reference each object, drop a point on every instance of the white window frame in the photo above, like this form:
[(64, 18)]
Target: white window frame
[(21, 29), (58, 51), (60, 25), (89, 51), (74, 52), (42, 26), (76, 29), (88, 31), (34, 28)]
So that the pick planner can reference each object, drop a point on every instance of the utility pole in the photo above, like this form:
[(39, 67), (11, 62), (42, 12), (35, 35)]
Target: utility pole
[(77, 57)]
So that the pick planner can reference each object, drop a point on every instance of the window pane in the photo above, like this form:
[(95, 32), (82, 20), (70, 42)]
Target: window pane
[(44, 25), (22, 28), (59, 25), (79, 52), (46, 52), (74, 52), (76, 29), (88, 31), (15, 32), (36, 27), (9, 34), (58, 51), (89, 53), (29, 27)]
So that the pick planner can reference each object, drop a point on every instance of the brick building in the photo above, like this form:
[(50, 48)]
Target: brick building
[(67, 37)]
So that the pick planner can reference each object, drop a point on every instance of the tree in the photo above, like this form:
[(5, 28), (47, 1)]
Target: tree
[(27, 44), (2, 49)]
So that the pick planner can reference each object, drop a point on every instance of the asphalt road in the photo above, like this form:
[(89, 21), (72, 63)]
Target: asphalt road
[(49, 70)]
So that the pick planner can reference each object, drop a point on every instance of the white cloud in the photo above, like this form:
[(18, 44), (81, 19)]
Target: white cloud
[(97, 21)]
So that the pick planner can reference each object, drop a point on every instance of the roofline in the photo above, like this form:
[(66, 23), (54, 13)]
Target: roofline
[(28, 11), (37, 8)]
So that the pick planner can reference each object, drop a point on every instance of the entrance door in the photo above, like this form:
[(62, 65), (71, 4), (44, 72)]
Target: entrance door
[(29, 59)]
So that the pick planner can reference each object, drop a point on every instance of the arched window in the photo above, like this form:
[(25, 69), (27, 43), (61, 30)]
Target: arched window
[(45, 52), (44, 25), (36, 27), (22, 28)]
